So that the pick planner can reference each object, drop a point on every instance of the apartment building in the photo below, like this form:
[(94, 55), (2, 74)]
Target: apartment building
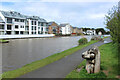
[(76, 31), (91, 32), (53, 28), (66, 29), (14, 23)]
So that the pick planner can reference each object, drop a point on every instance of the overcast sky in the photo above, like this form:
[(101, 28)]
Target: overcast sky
[(78, 14)]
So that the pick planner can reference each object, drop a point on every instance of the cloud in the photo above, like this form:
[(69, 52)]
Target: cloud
[(96, 16), (79, 14)]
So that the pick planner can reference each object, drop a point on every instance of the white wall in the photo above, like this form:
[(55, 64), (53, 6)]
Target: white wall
[(25, 36), (66, 30)]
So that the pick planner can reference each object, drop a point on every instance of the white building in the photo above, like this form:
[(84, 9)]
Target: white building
[(14, 23), (66, 29), (99, 33), (91, 32)]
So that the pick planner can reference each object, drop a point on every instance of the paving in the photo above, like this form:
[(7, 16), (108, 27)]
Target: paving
[(62, 67)]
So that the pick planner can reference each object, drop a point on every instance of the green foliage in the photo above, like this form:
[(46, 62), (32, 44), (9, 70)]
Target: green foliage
[(109, 63), (83, 74), (82, 41), (113, 24), (97, 38), (109, 59), (3, 41)]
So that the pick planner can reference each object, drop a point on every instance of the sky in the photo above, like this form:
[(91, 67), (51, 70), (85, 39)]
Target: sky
[(77, 13)]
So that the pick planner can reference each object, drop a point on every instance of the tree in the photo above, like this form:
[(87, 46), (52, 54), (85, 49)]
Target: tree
[(100, 30), (113, 24)]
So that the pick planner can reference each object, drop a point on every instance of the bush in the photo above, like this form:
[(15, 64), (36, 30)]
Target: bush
[(82, 41), (97, 38)]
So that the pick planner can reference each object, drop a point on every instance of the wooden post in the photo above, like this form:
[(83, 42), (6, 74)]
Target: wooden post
[(92, 57)]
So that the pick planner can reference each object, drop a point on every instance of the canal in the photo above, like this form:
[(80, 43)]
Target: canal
[(19, 52)]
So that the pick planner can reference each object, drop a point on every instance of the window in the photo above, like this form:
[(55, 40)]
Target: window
[(41, 24), (16, 26), (21, 32), (39, 32), (9, 20), (42, 29), (16, 32), (46, 29), (35, 22), (21, 20), (38, 28), (32, 27), (38, 23), (9, 27), (27, 28), (32, 22), (1, 26), (8, 32), (16, 20), (35, 27), (21, 26)]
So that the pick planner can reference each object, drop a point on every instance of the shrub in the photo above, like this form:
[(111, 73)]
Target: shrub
[(97, 38), (82, 41)]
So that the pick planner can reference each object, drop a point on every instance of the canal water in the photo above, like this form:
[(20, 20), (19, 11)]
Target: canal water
[(19, 52)]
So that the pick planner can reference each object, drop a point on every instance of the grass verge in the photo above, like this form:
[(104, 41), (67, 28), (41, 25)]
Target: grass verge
[(3, 41), (109, 64), (106, 37), (40, 63)]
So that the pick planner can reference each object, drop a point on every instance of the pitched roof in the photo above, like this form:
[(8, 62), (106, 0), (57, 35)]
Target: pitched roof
[(13, 14), (74, 27), (63, 25), (36, 18), (50, 23)]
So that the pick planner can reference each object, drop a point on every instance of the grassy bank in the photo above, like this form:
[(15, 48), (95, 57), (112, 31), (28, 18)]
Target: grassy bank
[(109, 64), (3, 41), (40, 63)]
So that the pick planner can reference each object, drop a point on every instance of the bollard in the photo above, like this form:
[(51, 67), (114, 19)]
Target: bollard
[(92, 57)]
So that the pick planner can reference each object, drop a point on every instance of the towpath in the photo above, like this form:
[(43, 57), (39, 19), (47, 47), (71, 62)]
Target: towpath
[(62, 67)]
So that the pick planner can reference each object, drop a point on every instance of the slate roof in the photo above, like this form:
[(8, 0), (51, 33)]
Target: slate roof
[(13, 14), (74, 27), (63, 25), (36, 18), (50, 23)]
